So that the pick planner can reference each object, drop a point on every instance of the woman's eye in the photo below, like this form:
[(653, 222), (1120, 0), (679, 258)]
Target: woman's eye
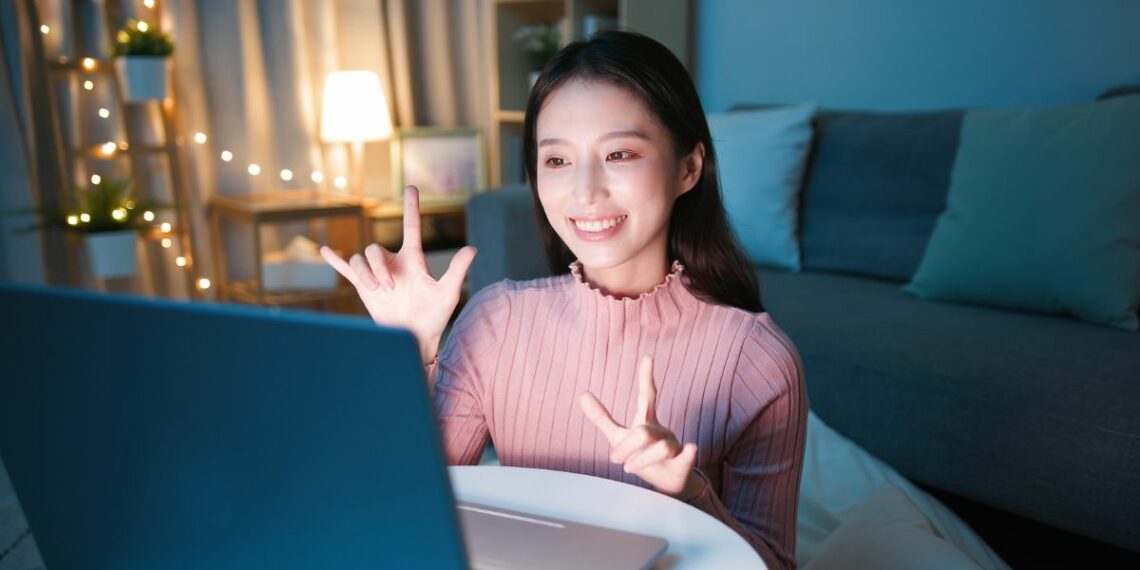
[(619, 155), (555, 161)]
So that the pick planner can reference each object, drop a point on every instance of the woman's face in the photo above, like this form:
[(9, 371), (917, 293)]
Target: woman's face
[(608, 174)]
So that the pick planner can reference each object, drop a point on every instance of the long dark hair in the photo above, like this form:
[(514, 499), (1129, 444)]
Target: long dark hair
[(699, 234)]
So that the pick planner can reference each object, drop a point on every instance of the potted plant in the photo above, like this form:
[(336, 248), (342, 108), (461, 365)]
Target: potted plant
[(539, 43), (142, 56), (109, 220)]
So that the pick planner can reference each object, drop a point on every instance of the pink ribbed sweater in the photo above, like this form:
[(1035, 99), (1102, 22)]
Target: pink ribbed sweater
[(521, 353)]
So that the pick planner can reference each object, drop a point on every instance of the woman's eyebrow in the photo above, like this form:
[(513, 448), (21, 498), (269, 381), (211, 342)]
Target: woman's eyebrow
[(611, 135)]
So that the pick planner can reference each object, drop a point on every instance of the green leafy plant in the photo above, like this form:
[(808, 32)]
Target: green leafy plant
[(538, 43), (140, 37), (106, 206)]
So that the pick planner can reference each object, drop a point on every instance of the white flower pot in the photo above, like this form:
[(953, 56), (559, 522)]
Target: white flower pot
[(112, 254), (143, 77)]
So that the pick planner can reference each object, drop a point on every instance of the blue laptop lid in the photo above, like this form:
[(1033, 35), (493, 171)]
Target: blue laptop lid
[(143, 433)]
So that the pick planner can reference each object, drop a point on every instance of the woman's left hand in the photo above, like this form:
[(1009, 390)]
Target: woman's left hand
[(647, 448)]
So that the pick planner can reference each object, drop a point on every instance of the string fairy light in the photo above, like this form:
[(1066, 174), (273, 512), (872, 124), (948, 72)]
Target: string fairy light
[(109, 148)]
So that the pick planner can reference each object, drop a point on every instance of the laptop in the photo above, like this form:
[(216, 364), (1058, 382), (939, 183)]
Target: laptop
[(146, 433)]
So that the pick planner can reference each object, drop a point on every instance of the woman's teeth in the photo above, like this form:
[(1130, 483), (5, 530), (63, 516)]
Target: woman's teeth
[(598, 225)]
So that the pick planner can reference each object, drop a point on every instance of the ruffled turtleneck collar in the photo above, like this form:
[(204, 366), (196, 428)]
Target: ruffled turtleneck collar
[(674, 282)]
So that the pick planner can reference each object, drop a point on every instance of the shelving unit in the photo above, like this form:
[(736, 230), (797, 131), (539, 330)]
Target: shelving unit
[(79, 154), (667, 21)]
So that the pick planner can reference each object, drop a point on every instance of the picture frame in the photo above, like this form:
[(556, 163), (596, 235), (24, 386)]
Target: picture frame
[(448, 165)]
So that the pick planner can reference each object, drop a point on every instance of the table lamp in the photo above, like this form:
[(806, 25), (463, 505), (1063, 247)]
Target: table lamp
[(355, 111)]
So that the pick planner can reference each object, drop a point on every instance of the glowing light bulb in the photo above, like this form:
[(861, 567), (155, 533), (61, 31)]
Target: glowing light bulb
[(95, 179), (180, 261), (109, 148), (45, 30), (166, 243), (340, 181), (73, 220), (286, 175), (203, 283), (227, 155), (119, 214), (148, 3), (88, 85), (165, 227), (317, 176), (254, 169), (148, 216), (104, 112), (88, 63), (200, 138), (143, 26), (85, 217)]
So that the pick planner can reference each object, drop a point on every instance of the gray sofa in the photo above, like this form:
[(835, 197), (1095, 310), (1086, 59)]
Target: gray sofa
[(1027, 425)]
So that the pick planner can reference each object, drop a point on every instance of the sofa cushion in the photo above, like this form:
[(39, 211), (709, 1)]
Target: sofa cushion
[(1030, 413), (1043, 213), (876, 183), (761, 156), (501, 225)]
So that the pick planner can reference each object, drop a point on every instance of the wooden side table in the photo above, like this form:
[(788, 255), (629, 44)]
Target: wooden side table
[(277, 207)]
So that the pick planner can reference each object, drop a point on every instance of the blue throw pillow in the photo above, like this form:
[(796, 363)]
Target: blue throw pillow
[(1043, 213), (761, 156)]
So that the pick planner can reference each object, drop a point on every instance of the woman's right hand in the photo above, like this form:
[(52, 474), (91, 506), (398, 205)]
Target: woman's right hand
[(397, 288)]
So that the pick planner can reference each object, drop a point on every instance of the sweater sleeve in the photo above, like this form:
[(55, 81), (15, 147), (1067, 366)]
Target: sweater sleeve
[(456, 377), (758, 491)]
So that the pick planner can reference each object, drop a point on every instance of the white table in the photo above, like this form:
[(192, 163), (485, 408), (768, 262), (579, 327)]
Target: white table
[(696, 540)]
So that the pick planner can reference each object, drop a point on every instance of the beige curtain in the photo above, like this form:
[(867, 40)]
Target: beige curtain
[(249, 75)]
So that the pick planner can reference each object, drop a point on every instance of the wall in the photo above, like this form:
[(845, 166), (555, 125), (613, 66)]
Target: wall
[(914, 54)]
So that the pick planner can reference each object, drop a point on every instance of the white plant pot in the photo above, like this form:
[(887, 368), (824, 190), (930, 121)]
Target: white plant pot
[(143, 77), (112, 254)]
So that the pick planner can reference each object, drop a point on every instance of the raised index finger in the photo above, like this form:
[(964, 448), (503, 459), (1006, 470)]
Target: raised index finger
[(412, 237), (646, 391)]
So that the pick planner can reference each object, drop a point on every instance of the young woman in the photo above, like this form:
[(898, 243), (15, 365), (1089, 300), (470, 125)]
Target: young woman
[(648, 357)]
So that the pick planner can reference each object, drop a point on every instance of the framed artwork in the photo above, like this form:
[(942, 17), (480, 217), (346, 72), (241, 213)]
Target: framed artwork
[(447, 165)]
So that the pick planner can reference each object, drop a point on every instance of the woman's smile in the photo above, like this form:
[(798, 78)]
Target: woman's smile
[(595, 228)]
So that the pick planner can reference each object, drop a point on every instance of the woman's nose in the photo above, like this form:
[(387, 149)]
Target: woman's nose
[(589, 183)]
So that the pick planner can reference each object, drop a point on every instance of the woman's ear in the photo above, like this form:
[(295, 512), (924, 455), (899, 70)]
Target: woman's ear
[(691, 168)]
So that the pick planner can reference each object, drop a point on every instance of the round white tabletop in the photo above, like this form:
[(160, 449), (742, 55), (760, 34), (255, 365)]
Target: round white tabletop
[(696, 540)]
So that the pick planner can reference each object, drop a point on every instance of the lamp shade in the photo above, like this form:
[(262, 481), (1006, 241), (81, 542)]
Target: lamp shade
[(354, 108)]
